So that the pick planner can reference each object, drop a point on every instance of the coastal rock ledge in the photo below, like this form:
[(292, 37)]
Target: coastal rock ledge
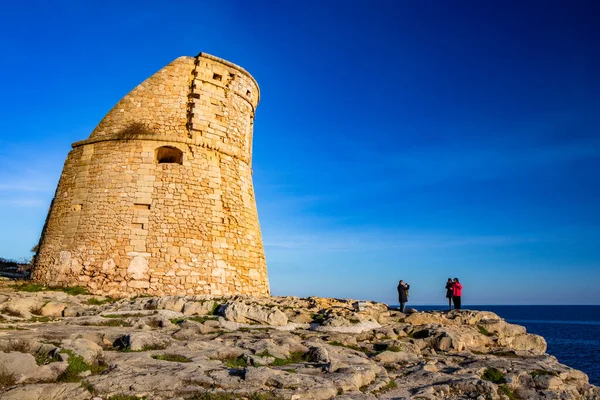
[(60, 345)]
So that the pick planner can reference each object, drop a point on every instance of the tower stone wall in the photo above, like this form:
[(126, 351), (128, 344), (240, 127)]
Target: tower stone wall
[(159, 199)]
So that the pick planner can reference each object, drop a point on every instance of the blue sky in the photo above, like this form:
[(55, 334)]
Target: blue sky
[(394, 139)]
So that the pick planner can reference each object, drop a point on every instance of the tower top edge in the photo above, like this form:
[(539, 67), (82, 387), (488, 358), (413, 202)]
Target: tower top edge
[(231, 65)]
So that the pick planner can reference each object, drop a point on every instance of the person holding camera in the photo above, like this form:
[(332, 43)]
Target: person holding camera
[(456, 294), (403, 294)]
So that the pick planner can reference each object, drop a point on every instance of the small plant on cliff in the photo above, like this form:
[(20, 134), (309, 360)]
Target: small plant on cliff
[(294, 358), (7, 379), (97, 302), (126, 397), (77, 365), (236, 362), (493, 375), (171, 357), (34, 287), (508, 392), (11, 312), (542, 372), (484, 331)]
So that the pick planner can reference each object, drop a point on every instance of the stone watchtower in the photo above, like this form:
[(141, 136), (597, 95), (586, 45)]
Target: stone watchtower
[(159, 200)]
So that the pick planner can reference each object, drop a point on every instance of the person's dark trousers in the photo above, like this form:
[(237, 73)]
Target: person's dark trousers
[(456, 300), (450, 303), (402, 305)]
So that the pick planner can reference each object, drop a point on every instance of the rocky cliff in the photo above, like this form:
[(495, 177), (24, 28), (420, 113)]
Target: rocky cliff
[(57, 345)]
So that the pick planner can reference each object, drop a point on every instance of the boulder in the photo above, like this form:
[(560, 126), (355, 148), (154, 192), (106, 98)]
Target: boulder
[(240, 312), (139, 341), (84, 348), (198, 307), (53, 309)]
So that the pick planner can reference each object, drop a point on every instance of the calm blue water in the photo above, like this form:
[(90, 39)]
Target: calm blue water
[(572, 332)]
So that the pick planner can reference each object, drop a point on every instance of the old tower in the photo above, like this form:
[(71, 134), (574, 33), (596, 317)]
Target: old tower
[(159, 199)]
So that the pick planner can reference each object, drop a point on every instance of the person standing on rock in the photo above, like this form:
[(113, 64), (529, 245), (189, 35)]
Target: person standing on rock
[(449, 292), (456, 293), (403, 294)]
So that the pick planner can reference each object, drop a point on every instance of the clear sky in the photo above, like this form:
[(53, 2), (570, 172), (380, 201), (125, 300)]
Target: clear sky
[(414, 140)]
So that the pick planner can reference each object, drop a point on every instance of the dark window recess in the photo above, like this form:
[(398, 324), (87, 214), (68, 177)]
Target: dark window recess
[(217, 77), (141, 206), (169, 155), (248, 93)]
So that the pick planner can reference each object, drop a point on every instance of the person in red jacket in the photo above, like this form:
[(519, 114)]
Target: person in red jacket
[(456, 293)]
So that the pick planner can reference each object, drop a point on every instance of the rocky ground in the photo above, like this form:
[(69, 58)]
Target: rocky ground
[(57, 345)]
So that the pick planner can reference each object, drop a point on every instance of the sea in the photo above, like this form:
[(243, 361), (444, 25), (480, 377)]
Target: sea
[(572, 332)]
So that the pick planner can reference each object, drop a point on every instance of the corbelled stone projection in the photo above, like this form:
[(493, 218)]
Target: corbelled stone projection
[(159, 200)]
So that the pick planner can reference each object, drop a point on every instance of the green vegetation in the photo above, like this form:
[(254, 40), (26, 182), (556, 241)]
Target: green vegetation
[(318, 318), (96, 302), (493, 375), (234, 396), (354, 321), (11, 312), (348, 346), (171, 357), (294, 358), (395, 349), (88, 386), (510, 354), (215, 309), (202, 318), (484, 331), (542, 372), (508, 392), (40, 319), (131, 315), (35, 287), (391, 385), (126, 397), (11, 327), (46, 357), (7, 379), (236, 362), (77, 365)]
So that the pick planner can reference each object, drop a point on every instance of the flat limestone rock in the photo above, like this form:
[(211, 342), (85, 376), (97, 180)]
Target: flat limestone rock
[(153, 347)]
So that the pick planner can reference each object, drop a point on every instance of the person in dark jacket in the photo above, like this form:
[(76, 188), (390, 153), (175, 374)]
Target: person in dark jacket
[(456, 294), (403, 294), (449, 292)]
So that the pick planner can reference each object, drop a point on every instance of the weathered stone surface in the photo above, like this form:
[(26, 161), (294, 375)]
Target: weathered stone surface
[(241, 312), (159, 199), (145, 347), (53, 309), (85, 348), (52, 391)]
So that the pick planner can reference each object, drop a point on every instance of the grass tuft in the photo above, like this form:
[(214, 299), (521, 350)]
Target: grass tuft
[(542, 372), (236, 362), (126, 397), (484, 331), (36, 287), (9, 311), (7, 379), (96, 302), (171, 357), (294, 358), (77, 365), (493, 375), (508, 392)]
